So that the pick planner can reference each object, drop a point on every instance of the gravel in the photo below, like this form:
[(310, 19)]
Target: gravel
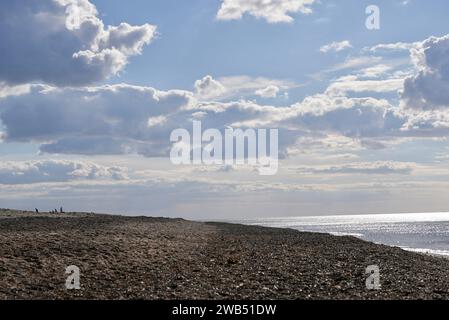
[(157, 258)]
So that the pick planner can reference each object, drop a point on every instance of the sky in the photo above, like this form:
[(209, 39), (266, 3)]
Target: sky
[(90, 91)]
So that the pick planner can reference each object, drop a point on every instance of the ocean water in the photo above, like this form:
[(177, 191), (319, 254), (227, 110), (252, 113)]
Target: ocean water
[(420, 232)]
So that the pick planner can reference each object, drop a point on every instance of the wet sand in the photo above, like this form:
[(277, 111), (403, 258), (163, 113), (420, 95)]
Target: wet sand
[(156, 258)]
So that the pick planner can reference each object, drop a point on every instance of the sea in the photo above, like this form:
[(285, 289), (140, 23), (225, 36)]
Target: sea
[(419, 232)]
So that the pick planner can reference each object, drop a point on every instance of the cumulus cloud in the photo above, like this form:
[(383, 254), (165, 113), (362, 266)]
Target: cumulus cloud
[(351, 117), (64, 43), (209, 88), (336, 46), (122, 119), (273, 11), (25, 172), (429, 88), (432, 123)]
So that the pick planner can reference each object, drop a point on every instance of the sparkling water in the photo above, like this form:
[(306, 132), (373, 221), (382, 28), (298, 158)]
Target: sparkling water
[(421, 232)]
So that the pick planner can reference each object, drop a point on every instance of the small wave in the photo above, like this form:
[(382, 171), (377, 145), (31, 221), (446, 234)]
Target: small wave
[(343, 234), (435, 252)]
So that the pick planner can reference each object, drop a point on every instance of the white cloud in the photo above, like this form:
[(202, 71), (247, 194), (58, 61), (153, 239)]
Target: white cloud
[(428, 123), (273, 11), (351, 117), (341, 88), (6, 90), (25, 172), (238, 87), (398, 46), (336, 46), (156, 121), (209, 88), (375, 71), (268, 92), (64, 42), (353, 63)]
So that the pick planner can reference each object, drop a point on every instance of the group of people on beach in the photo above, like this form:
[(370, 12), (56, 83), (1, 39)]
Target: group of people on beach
[(55, 211)]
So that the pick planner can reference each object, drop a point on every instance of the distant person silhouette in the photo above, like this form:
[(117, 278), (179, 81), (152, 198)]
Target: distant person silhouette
[(37, 211)]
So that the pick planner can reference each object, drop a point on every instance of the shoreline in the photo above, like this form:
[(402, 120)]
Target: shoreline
[(123, 257), (360, 233)]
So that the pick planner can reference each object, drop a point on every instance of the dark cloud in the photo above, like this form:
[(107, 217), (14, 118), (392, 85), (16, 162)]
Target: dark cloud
[(102, 120)]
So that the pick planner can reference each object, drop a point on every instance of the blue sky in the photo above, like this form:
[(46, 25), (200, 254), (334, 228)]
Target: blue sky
[(363, 114), (192, 43)]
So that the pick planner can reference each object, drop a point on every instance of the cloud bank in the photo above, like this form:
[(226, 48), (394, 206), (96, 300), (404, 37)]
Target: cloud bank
[(96, 120), (26, 172)]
